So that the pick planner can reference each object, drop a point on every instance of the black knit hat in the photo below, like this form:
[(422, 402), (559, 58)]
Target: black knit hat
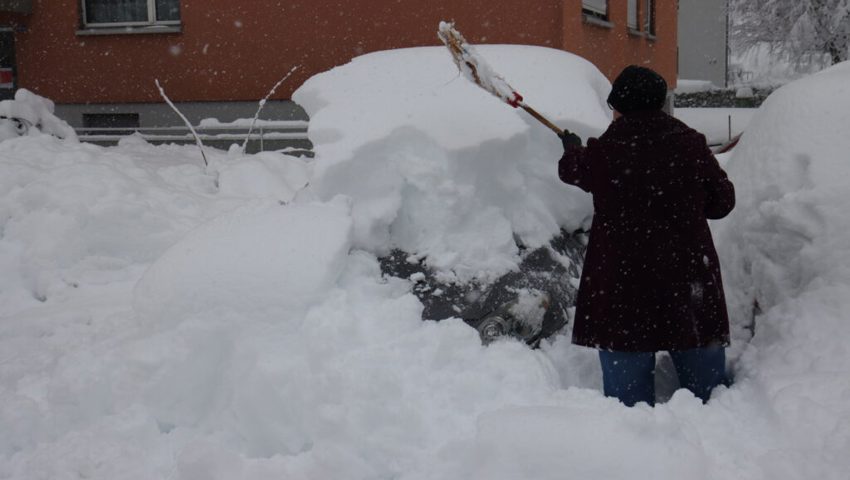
[(637, 89)]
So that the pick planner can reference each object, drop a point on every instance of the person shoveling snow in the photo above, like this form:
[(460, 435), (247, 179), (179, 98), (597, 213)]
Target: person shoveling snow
[(651, 278)]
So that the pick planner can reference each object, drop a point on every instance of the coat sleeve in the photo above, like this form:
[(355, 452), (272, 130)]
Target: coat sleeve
[(720, 192), (574, 167)]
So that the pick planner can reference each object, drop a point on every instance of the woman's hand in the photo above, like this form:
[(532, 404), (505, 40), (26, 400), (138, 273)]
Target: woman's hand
[(569, 139)]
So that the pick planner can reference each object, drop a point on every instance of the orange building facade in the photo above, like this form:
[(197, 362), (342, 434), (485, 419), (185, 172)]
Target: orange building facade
[(225, 51)]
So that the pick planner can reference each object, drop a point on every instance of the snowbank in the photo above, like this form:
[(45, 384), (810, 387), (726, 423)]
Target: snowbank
[(791, 169), (437, 166), (265, 174), (260, 261), (785, 253), (37, 114)]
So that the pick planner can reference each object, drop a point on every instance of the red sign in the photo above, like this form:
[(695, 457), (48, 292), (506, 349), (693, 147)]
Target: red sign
[(7, 78)]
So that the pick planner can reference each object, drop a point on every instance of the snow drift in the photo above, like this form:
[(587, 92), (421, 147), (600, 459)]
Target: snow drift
[(785, 253), (258, 258)]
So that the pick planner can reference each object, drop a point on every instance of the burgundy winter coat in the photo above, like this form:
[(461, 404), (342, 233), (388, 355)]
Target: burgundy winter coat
[(651, 278)]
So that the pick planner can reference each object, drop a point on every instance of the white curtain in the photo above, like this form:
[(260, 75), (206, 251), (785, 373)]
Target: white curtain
[(633, 14)]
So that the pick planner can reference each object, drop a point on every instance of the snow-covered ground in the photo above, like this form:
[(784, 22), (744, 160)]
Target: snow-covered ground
[(163, 320), (719, 125)]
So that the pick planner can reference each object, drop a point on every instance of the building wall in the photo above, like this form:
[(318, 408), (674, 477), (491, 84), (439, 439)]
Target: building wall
[(703, 40), (238, 50), (235, 51), (612, 47)]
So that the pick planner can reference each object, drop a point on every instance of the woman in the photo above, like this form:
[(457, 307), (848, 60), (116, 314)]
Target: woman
[(651, 279)]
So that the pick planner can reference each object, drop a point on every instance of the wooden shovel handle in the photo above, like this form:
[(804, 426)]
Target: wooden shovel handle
[(540, 118)]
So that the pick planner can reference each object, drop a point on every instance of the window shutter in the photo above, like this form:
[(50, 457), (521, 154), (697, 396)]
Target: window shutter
[(597, 6)]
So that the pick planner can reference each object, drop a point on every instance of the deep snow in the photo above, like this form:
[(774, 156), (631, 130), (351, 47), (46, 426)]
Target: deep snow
[(160, 320)]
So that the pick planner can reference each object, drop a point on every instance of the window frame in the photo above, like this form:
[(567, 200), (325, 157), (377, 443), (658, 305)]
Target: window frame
[(151, 22), (633, 27), (649, 26)]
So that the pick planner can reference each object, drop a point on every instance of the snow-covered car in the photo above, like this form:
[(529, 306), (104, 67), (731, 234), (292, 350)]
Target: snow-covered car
[(11, 127), (530, 303), (472, 213)]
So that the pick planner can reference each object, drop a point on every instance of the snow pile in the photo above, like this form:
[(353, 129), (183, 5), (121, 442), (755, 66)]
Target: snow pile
[(436, 166), (791, 172), (280, 259), (265, 174), (785, 252), (35, 111)]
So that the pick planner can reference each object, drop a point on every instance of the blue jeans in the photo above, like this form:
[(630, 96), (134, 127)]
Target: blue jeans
[(630, 376)]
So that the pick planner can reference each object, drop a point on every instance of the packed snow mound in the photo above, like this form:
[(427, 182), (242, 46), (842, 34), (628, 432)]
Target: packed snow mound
[(265, 174), (267, 261), (437, 166), (785, 251), (74, 215), (365, 100), (790, 170), (36, 112)]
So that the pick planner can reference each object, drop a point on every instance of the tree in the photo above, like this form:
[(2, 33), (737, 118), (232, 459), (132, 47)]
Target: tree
[(800, 29)]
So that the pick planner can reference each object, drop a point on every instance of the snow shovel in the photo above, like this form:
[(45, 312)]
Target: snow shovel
[(473, 67)]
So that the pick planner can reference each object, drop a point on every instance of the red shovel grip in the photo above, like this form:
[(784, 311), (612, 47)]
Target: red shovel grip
[(514, 102)]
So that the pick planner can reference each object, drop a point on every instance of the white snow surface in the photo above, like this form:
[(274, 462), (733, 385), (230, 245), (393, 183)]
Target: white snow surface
[(435, 165), (160, 320), (694, 86), (719, 125)]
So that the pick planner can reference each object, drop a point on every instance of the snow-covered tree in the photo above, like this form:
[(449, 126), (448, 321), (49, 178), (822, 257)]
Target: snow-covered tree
[(801, 29)]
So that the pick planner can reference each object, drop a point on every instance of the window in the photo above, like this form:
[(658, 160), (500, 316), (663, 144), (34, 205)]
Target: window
[(111, 13), (649, 17), (110, 123), (7, 64), (595, 8), (633, 22)]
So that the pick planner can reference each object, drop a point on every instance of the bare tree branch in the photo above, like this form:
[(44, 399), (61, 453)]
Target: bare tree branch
[(185, 120)]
